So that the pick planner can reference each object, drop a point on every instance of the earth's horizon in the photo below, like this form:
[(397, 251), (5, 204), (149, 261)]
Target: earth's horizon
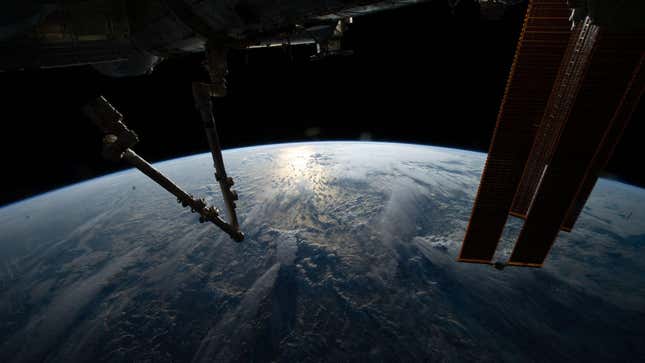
[(349, 256), (156, 164)]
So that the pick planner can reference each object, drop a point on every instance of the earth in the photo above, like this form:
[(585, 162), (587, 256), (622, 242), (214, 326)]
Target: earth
[(349, 256)]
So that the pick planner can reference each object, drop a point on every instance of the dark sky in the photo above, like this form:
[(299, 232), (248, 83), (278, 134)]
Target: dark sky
[(420, 74)]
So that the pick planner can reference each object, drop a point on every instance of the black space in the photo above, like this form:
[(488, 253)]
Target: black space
[(419, 74)]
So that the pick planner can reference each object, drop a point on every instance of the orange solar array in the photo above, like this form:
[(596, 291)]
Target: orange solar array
[(540, 49), (555, 116), (612, 85), (612, 136)]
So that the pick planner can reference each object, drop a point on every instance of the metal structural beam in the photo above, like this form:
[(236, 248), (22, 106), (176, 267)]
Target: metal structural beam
[(117, 145)]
